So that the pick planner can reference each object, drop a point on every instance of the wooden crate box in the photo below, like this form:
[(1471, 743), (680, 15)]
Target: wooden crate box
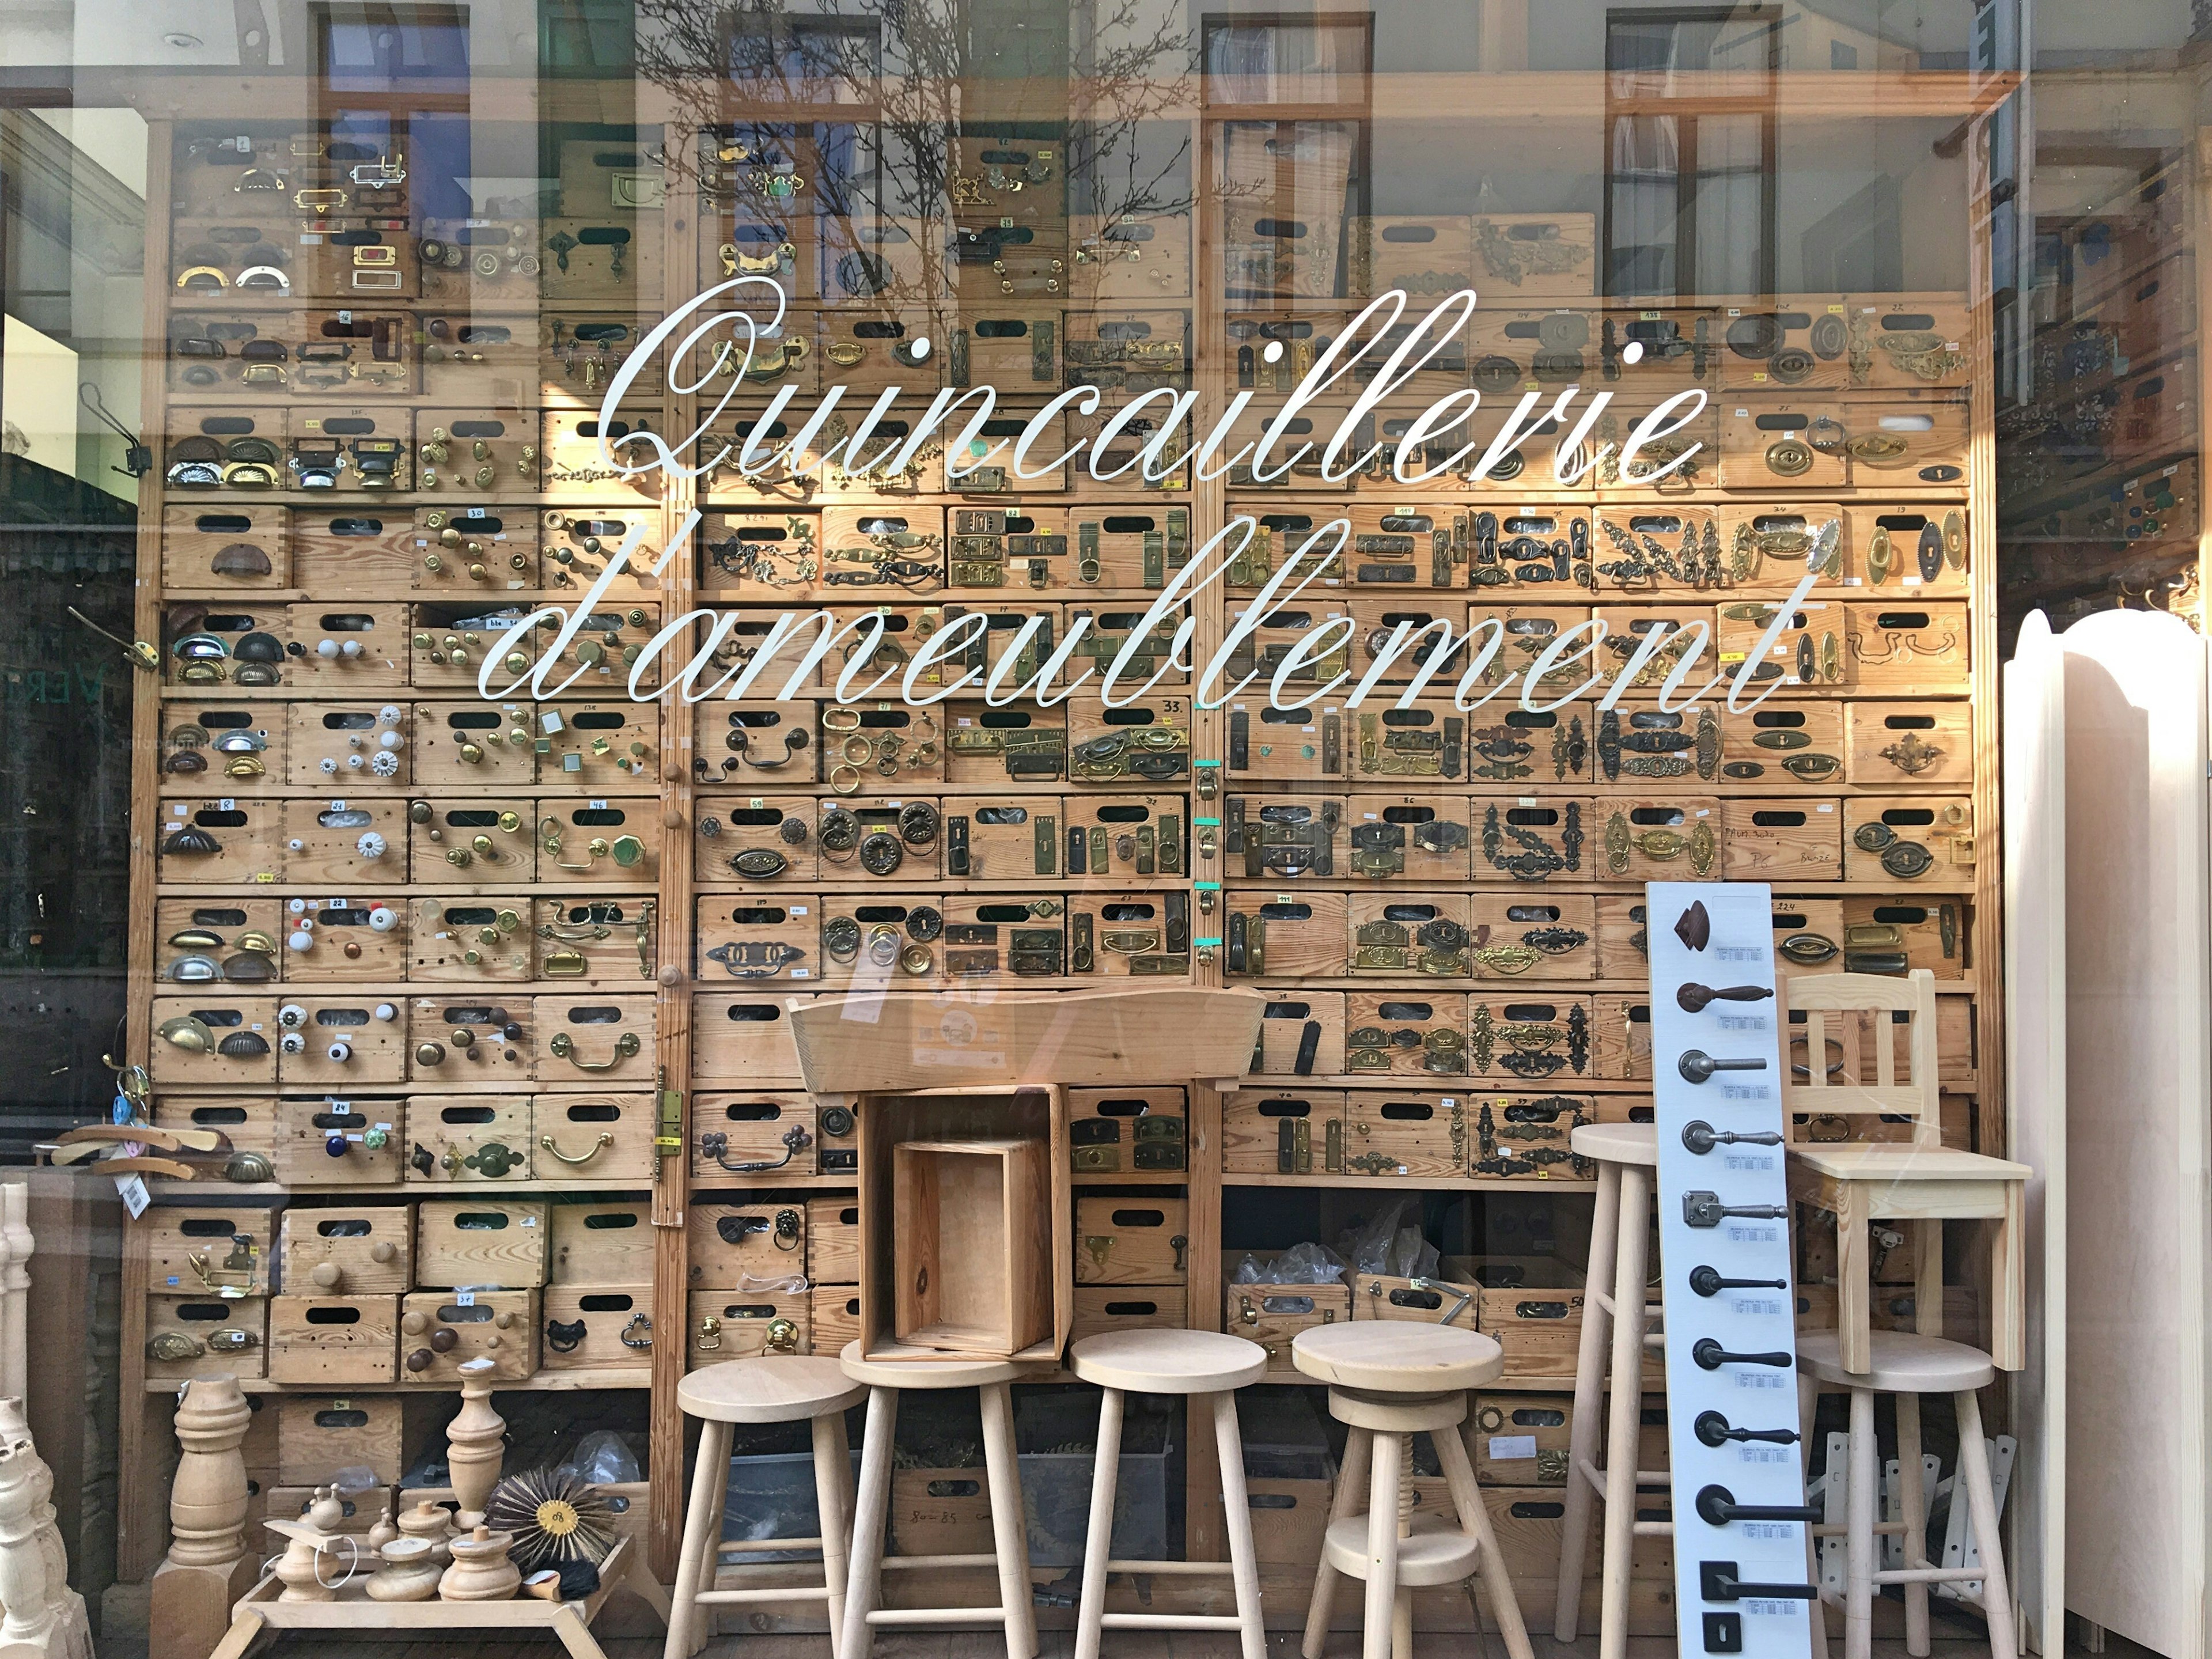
[(441, 1330), (735, 1324), (730, 1243), (203, 1335), (601, 1241), (833, 1240), (1287, 1132), (952, 1227), (209, 1250), (1131, 1241), (462, 1241), (606, 1137), (1101, 1308), (333, 1342), (365, 1250), (593, 1327), (318, 1435), (1110, 1130)]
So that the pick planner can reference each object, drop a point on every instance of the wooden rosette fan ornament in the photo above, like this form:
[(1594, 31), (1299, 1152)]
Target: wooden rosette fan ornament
[(556, 1518)]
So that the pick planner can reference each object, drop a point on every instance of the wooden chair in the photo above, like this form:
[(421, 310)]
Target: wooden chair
[(1918, 1181), (1603, 1461), (1203, 1363), (1389, 1380), (761, 1390), (885, 1379)]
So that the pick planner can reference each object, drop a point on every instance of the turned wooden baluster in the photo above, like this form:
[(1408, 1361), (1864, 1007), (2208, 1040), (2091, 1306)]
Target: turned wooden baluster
[(15, 1290), (209, 1566), (475, 1445)]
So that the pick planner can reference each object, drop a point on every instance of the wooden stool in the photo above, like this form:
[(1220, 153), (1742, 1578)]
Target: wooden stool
[(760, 1390), (1908, 1366), (1627, 1157), (1389, 1379), (872, 1513), (1203, 1363)]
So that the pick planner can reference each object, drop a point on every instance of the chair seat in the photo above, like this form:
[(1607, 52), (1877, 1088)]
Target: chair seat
[(1617, 1143), (1904, 1363), (767, 1390), (1435, 1554), (928, 1373), (1168, 1362), (1396, 1356)]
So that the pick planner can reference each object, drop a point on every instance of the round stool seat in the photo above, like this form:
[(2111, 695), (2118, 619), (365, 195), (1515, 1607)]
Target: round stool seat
[(1618, 1143), (767, 1390), (1395, 1356), (1904, 1363), (1435, 1554), (1167, 1362), (927, 1373), (1397, 1413)]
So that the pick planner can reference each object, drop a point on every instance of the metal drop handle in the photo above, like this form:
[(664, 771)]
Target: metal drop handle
[(605, 1140)]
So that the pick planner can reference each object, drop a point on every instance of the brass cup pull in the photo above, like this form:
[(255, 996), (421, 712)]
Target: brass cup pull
[(599, 1145), (564, 1048)]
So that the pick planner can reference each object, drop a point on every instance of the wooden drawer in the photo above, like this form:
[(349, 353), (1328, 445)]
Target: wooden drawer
[(1285, 745), (1620, 1038), (246, 1026), (1908, 647), (1290, 1132), (1534, 1036), (1301, 1035), (473, 843), (501, 1326), (583, 1037), (220, 546), (1274, 1314), (333, 1342), (601, 1241), (744, 1037), (1673, 839), (455, 1040), (321, 1142), (1101, 1308), (1404, 1133), (225, 838), (239, 750), (481, 1241), (1897, 935), (1529, 839), (1530, 1135), (1928, 839), (1785, 745), (836, 1319), (203, 1251), (1890, 745), (488, 745), (593, 1327), (833, 1240), (733, 1324), (202, 1335), (1415, 1033), (347, 649), (597, 938), (730, 1241), (1520, 1440), (1533, 936), (1142, 1129), (1782, 839), (757, 841), (247, 1124), (469, 1139), (1140, 1240), (353, 1250), (593, 1137), (318, 1436), (337, 940), (614, 841)]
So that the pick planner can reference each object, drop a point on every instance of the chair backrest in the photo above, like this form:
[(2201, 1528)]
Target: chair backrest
[(1854, 1024)]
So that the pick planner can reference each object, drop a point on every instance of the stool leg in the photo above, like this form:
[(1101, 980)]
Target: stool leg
[(1912, 1510), (710, 1477), (1387, 1452), (1809, 1408), (1858, 1539), (832, 1468), (1982, 1506), (1626, 1379), (1098, 1539), (1474, 1519), (1590, 1390), (1401, 1625), (1244, 1568), (871, 1507), (1009, 1531), (1345, 1503)]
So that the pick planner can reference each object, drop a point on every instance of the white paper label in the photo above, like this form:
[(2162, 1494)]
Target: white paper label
[(1510, 1448)]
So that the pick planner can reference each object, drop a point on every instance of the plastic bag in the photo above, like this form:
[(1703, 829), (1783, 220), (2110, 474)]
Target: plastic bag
[(1305, 1264), (603, 1459), (1367, 1246)]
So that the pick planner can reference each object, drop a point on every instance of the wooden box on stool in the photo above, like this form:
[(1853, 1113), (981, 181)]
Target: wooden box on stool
[(957, 1190)]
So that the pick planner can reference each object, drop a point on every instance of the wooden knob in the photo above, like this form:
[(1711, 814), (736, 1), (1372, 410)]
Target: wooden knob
[(414, 1323), (384, 1250), (328, 1275), (670, 976), (671, 773), (673, 818)]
